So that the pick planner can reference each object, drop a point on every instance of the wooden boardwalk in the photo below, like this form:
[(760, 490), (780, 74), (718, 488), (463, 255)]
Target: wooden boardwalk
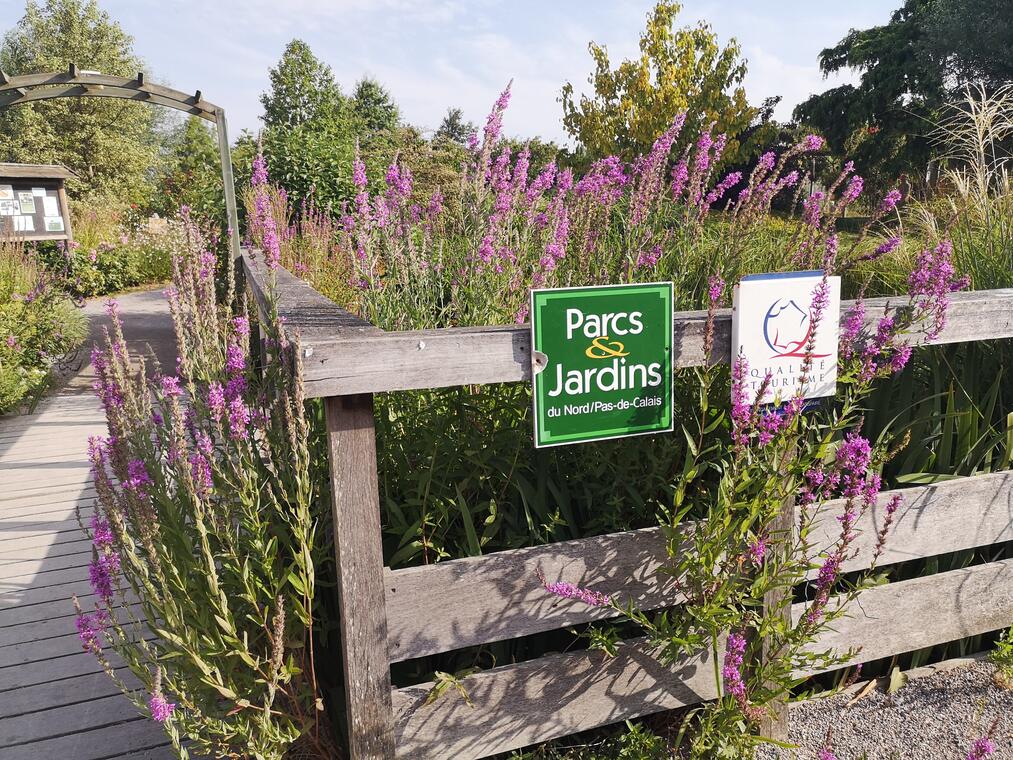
[(55, 701)]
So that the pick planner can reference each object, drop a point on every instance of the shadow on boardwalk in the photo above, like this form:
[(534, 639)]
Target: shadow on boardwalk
[(54, 699)]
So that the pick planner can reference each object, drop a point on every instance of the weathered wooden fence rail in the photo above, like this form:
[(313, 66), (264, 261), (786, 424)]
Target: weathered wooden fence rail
[(394, 615)]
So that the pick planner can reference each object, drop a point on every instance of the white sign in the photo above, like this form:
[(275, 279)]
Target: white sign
[(50, 206), (772, 326), (39, 191), (24, 224), (6, 192), (54, 224)]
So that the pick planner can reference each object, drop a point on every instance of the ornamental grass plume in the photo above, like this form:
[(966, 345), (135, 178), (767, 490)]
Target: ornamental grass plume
[(208, 514)]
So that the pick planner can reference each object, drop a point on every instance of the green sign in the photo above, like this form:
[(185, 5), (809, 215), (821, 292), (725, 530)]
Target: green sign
[(602, 362)]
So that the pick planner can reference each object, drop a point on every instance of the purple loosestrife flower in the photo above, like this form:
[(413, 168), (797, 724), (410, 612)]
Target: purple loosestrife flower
[(853, 190), (239, 419), (101, 533), (891, 508), (242, 326), (161, 710), (112, 308), (931, 282), (89, 628), (719, 191), (767, 161), (813, 143), (171, 386), (757, 550), (715, 289), (216, 400), (100, 573), (854, 323), (200, 470), (742, 410), (731, 671), (886, 247), (571, 591), (359, 171), (680, 173), (811, 207), (649, 259), (826, 753), (982, 748), (138, 478), (890, 201), (399, 181), (853, 458), (830, 571), (235, 361), (259, 176)]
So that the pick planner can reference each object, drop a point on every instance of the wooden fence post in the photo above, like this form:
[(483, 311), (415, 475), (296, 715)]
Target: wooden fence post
[(359, 553), (774, 723)]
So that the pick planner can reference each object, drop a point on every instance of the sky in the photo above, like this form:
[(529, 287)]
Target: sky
[(432, 54)]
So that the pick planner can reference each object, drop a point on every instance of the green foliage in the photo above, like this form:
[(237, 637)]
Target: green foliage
[(881, 121), (114, 250), (636, 743), (191, 174), (974, 37), (679, 71), (109, 144), (214, 524), (454, 128), (1002, 656), (38, 325), (303, 90), (374, 108)]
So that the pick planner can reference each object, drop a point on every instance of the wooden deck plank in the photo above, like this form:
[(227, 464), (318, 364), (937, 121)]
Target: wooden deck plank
[(101, 743), (66, 691)]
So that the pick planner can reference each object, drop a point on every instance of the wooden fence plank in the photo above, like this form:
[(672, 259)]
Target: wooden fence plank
[(359, 552), (475, 600), (394, 361), (556, 695), (552, 696), (498, 596), (921, 612)]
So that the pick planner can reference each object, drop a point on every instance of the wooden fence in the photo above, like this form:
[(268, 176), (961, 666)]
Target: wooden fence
[(393, 615)]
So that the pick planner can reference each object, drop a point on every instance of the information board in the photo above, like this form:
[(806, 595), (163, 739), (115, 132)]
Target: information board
[(33, 209), (602, 362)]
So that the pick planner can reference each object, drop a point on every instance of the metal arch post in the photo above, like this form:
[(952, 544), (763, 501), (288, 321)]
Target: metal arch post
[(225, 155)]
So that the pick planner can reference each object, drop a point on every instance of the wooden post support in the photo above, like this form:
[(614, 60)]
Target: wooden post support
[(225, 155), (774, 724), (356, 503)]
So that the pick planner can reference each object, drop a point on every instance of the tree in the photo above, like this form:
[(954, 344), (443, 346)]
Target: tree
[(302, 89), (454, 128), (191, 174), (678, 70), (883, 121), (374, 108), (974, 38), (109, 144)]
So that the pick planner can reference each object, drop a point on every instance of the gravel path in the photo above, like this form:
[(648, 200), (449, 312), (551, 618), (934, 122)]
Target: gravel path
[(936, 716)]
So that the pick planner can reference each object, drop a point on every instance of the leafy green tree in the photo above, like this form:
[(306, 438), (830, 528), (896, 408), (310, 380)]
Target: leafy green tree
[(374, 108), (110, 144), (454, 128), (191, 173), (884, 120), (678, 70), (302, 89), (974, 38)]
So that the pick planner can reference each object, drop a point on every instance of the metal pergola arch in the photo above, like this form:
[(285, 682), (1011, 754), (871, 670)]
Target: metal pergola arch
[(76, 83)]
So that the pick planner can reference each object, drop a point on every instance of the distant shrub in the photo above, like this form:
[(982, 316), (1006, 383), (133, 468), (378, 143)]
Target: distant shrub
[(39, 325)]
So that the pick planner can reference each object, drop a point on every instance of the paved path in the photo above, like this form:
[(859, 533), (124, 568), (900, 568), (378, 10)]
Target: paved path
[(55, 702)]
